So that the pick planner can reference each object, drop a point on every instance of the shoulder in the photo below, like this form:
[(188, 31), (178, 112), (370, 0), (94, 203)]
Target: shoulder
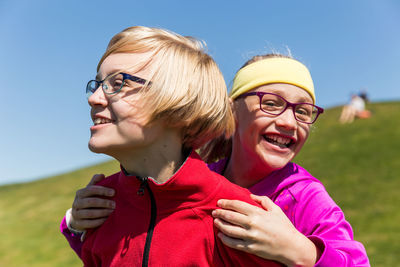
[(110, 181), (303, 195), (300, 182), (310, 194), (228, 190), (218, 166), (316, 210)]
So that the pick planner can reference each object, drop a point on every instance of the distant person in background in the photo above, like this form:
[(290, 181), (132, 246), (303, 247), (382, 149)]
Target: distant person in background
[(355, 109), (273, 101), (364, 95)]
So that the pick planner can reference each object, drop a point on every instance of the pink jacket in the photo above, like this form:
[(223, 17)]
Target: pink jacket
[(313, 212)]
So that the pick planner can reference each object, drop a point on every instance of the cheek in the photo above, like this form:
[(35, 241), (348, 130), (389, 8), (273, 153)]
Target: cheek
[(245, 126), (302, 134), (126, 110), (245, 118), (257, 124), (119, 106), (249, 132)]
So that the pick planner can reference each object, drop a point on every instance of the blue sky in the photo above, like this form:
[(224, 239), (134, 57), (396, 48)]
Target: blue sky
[(50, 49)]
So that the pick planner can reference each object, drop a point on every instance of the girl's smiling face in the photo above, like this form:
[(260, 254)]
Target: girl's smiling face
[(269, 141)]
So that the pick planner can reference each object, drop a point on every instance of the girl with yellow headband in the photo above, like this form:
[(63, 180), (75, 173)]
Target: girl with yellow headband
[(273, 102)]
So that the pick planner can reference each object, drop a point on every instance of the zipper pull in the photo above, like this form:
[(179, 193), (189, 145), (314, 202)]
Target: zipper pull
[(140, 192)]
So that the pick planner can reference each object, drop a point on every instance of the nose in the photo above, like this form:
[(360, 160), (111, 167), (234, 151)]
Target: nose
[(98, 98), (286, 120)]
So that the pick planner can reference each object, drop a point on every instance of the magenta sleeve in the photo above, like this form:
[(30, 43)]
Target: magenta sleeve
[(73, 239), (323, 222), (352, 254)]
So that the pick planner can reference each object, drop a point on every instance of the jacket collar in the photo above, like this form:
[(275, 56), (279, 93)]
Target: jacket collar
[(191, 185)]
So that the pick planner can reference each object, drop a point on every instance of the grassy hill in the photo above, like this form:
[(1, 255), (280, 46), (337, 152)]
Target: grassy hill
[(359, 164)]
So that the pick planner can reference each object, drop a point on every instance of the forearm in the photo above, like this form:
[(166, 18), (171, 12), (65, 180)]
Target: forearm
[(301, 252)]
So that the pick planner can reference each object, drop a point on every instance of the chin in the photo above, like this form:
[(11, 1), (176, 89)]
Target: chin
[(97, 147), (277, 163)]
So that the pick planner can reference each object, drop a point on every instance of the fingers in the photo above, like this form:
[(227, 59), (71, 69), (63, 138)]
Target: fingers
[(234, 243), (96, 178), (237, 205), (85, 214), (232, 217), (230, 230), (85, 203), (90, 209), (95, 190), (88, 224), (264, 201)]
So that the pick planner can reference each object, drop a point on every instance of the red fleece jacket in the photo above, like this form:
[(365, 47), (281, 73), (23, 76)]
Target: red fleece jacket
[(181, 232)]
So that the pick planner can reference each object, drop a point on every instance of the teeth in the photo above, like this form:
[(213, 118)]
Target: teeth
[(97, 121), (279, 140)]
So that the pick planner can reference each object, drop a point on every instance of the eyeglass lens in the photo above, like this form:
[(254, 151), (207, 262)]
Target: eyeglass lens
[(111, 85), (275, 105)]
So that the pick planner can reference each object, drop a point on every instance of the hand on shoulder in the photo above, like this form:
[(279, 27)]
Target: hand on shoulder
[(90, 209), (265, 232)]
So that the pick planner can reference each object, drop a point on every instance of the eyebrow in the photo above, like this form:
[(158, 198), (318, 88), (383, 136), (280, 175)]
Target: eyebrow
[(302, 99), (113, 71)]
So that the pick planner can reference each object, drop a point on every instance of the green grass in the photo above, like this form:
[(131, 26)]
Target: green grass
[(358, 163), (30, 217)]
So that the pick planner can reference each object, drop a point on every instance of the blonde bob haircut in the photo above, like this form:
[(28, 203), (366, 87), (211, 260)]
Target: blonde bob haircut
[(187, 89)]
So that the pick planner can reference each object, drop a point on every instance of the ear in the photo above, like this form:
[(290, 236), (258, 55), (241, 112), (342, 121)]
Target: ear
[(233, 105)]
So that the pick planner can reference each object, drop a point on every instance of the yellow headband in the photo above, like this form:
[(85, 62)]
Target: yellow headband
[(272, 70)]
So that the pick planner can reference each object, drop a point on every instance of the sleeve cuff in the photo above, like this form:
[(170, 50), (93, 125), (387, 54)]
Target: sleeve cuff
[(80, 233), (328, 256)]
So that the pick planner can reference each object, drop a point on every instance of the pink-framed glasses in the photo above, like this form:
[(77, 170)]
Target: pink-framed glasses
[(275, 105)]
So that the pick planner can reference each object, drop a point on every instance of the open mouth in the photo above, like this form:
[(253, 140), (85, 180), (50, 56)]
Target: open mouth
[(98, 121), (278, 140)]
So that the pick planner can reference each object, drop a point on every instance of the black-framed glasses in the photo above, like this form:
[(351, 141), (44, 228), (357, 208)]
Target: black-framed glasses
[(274, 104), (112, 84)]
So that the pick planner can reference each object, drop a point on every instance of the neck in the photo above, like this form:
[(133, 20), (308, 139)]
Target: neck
[(160, 160), (243, 170)]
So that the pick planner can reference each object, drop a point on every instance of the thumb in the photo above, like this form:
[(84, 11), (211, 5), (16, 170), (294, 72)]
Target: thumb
[(264, 201), (96, 178)]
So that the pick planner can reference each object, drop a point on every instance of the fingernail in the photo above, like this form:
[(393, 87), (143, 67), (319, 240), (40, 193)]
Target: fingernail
[(113, 205), (110, 192)]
